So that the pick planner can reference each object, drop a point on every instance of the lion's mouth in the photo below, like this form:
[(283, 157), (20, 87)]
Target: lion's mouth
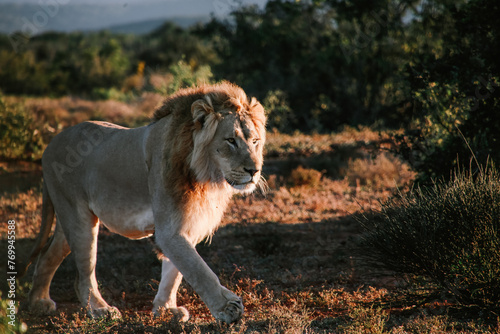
[(240, 186)]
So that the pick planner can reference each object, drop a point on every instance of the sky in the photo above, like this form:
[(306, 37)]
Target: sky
[(71, 15)]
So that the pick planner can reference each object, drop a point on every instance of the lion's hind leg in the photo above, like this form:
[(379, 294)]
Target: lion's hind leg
[(82, 238), (46, 266), (166, 298)]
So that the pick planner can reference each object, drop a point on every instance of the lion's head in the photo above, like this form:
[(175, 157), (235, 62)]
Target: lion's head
[(227, 132)]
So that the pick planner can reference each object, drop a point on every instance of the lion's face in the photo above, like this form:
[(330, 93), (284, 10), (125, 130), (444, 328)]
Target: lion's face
[(237, 149), (228, 140)]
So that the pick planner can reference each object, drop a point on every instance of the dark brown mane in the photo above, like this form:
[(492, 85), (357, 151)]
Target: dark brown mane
[(179, 104)]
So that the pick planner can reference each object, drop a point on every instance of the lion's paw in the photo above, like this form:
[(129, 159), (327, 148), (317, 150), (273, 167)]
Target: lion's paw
[(231, 312), (109, 312), (180, 313), (43, 306), (233, 308)]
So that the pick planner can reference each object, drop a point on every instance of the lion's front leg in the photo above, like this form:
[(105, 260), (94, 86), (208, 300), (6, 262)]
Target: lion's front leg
[(166, 298), (222, 303)]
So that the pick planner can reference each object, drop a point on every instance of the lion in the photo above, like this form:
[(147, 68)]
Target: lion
[(172, 179)]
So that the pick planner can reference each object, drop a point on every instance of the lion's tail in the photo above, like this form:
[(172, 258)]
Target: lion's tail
[(48, 214)]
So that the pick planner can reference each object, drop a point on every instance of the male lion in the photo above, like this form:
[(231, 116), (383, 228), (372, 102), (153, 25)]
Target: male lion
[(172, 178)]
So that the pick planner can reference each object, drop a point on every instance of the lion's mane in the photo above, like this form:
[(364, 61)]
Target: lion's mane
[(195, 113)]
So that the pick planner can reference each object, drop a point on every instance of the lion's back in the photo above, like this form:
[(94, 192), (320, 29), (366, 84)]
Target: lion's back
[(89, 150), (81, 139)]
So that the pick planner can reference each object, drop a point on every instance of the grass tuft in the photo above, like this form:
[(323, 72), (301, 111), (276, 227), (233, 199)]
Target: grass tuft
[(365, 320)]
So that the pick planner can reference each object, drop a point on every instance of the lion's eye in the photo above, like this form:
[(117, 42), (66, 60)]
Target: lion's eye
[(256, 141), (231, 141)]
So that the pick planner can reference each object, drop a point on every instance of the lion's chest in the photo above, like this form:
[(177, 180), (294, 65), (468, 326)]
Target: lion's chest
[(203, 216)]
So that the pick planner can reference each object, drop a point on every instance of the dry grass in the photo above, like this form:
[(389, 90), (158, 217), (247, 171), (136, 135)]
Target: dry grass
[(301, 176), (295, 275), (365, 320), (67, 111), (281, 145), (24, 207), (289, 205), (383, 171)]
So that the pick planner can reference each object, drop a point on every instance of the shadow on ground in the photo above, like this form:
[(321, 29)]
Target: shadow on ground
[(281, 258)]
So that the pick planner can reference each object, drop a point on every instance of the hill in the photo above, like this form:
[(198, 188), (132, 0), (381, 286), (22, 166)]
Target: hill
[(146, 26), (132, 17)]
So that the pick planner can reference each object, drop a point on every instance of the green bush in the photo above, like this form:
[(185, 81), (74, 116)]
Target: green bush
[(19, 136), (448, 233), (182, 75), (8, 324), (279, 115), (112, 93)]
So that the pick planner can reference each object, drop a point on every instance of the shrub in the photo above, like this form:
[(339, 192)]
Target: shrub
[(7, 324), (448, 233), (100, 93), (365, 320), (301, 176), (19, 136), (182, 75), (279, 115)]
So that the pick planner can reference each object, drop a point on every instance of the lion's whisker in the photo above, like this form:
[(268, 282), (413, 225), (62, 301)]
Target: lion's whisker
[(262, 185)]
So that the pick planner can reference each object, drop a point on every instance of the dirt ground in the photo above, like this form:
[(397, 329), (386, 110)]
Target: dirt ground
[(290, 254)]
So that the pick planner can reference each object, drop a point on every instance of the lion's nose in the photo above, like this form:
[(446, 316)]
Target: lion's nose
[(252, 172)]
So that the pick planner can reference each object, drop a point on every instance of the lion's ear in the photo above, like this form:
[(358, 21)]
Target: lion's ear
[(257, 111), (200, 109), (255, 106)]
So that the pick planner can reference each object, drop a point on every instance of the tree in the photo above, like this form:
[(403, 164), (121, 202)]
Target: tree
[(456, 86), (336, 63)]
